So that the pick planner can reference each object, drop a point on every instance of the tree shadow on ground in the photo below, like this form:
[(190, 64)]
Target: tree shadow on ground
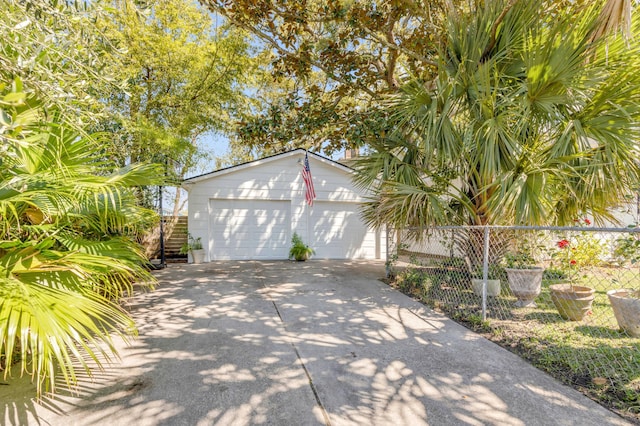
[(285, 343)]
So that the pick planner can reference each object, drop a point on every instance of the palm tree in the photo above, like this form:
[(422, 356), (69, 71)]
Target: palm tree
[(66, 250), (531, 120), (615, 15)]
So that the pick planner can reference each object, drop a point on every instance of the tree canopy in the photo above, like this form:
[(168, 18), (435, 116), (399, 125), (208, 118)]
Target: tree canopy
[(339, 57), (333, 61), (186, 76), (59, 53)]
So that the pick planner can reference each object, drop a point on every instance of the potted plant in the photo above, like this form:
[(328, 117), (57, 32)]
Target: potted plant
[(626, 308), (524, 276), (493, 280), (625, 302), (299, 250), (573, 302), (193, 246)]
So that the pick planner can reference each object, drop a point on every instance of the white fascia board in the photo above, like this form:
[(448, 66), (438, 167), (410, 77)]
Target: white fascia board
[(187, 183)]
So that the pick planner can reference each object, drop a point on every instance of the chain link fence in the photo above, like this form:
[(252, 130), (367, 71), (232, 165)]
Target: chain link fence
[(566, 299)]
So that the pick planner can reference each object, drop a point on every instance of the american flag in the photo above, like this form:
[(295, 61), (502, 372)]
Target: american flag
[(309, 191)]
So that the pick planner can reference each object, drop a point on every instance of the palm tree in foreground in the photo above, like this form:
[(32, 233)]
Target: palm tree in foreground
[(531, 120), (66, 256)]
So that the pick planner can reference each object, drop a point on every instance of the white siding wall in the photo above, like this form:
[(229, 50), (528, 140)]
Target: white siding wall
[(279, 178)]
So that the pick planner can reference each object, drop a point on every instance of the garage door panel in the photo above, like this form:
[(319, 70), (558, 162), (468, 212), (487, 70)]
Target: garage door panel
[(337, 231), (249, 229)]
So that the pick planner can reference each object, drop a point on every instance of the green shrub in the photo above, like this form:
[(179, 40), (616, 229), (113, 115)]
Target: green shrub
[(589, 250), (299, 250), (627, 249), (553, 273)]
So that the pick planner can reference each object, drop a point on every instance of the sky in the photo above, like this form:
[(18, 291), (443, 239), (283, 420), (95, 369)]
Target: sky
[(214, 144)]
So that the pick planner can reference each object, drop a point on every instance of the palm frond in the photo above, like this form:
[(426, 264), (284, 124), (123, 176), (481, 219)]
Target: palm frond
[(65, 256), (56, 329), (531, 120)]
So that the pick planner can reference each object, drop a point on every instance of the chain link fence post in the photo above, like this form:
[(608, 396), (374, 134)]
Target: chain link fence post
[(485, 272)]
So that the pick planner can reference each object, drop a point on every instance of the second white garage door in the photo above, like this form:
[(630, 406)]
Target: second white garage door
[(249, 229), (336, 232)]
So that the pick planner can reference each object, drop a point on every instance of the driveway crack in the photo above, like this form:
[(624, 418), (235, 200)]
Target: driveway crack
[(327, 421)]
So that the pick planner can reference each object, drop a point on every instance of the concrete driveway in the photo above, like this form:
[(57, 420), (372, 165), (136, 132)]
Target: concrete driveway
[(286, 343)]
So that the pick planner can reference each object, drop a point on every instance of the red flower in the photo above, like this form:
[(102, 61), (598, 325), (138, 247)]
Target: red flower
[(587, 221), (563, 244), (572, 262)]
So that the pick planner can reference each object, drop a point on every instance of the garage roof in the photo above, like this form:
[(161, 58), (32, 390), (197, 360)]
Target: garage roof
[(266, 160)]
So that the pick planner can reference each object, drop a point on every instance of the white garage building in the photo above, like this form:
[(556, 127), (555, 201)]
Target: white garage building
[(250, 211)]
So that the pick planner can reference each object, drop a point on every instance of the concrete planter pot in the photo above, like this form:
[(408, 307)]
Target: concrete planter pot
[(626, 308), (525, 284), (572, 302), (493, 287), (302, 257), (197, 256)]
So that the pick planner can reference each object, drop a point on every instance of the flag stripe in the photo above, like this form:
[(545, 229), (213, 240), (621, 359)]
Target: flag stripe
[(309, 190)]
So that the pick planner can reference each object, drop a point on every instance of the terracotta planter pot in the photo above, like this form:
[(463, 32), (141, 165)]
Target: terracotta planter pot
[(572, 302), (493, 287), (525, 285), (626, 308)]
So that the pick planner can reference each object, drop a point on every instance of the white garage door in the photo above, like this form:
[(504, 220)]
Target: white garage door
[(249, 229), (337, 232)]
